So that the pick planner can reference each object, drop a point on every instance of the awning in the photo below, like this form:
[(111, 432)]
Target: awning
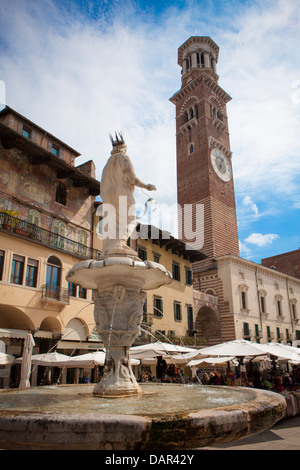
[(10, 333), (6, 359)]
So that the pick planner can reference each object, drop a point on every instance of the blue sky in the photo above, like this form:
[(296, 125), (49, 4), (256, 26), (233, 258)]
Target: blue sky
[(83, 69)]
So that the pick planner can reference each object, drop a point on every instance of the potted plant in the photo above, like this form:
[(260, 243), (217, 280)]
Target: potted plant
[(8, 220)]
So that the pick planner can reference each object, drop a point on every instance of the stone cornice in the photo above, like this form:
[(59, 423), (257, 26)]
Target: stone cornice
[(202, 41), (250, 265), (212, 142), (202, 77)]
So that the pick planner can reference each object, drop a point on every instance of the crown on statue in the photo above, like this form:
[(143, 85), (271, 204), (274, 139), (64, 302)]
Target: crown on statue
[(118, 143)]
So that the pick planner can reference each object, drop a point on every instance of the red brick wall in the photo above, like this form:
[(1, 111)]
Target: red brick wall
[(288, 263)]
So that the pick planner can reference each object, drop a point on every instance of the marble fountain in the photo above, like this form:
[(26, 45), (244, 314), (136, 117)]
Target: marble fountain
[(118, 413)]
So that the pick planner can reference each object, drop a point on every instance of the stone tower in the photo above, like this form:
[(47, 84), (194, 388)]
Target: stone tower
[(204, 170)]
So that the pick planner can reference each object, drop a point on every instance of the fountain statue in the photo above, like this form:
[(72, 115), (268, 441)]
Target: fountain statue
[(152, 416), (119, 277)]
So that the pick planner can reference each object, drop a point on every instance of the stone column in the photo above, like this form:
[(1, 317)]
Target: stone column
[(206, 59), (214, 64), (194, 59)]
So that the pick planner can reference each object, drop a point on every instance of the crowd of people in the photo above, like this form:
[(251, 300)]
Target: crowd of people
[(164, 373), (274, 379)]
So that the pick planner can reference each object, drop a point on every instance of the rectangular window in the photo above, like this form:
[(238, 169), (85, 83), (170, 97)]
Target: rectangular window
[(287, 334), (158, 307), (177, 311), (244, 303), (279, 307), (268, 333), (278, 334), (1, 264), (263, 305), (246, 329), (17, 269), (294, 311), (55, 150), (72, 288), (190, 319), (26, 132), (142, 253), (156, 258), (31, 272), (82, 292), (176, 271), (188, 276)]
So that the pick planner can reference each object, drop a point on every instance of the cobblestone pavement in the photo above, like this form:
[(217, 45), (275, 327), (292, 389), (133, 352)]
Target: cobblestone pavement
[(284, 435)]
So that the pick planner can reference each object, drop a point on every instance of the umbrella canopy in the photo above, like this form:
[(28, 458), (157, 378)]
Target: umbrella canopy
[(151, 350), (210, 361), (282, 351), (49, 359), (26, 361), (87, 360), (90, 360), (236, 348), (6, 359)]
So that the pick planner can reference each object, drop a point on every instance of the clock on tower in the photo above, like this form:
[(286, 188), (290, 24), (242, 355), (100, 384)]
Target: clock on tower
[(204, 170)]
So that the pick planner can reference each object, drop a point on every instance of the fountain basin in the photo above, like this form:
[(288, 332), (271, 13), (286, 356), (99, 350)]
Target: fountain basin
[(163, 417)]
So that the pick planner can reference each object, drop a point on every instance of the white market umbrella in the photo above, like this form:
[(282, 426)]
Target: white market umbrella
[(6, 359), (49, 359), (210, 361), (281, 351), (26, 361), (90, 360), (157, 349), (236, 348), (87, 360)]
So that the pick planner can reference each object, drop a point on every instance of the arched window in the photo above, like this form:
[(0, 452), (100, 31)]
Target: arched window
[(59, 232), (33, 216), (82, 240), (61, 193), (191, 148), (53, 276)]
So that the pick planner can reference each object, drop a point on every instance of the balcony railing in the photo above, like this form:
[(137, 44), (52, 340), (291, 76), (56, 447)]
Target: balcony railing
[(55, 294), (37, 234)]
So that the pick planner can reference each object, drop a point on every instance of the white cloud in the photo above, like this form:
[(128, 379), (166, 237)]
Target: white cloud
[(261, 240), (247, 201), (244, 250)]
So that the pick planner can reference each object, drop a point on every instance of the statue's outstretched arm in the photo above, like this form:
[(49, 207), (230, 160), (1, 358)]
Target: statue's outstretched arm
[(140, 184), (134, 180)]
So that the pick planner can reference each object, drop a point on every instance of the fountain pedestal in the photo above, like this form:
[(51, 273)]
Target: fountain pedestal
[(119, 284)]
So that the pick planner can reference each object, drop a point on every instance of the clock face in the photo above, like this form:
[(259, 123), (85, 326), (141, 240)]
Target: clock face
[(220, 164)]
